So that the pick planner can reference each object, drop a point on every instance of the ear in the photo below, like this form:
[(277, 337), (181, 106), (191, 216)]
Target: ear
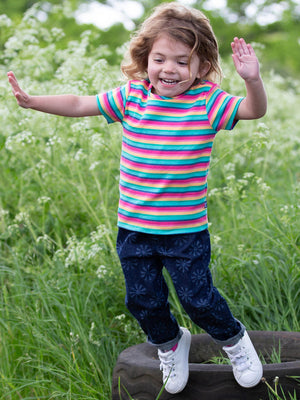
[(203, 69)]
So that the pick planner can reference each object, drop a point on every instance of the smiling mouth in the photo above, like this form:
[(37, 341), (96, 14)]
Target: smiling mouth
[(169, 82)]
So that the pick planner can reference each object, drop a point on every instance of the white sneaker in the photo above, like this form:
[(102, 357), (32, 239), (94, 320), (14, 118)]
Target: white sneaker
[(247, 368), (175, 364)]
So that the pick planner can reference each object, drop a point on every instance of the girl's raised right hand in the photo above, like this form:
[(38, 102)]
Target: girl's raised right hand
[(22, 97), (66, 105)]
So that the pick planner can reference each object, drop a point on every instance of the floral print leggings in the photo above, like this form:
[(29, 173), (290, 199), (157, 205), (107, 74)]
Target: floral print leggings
[(187, 258)]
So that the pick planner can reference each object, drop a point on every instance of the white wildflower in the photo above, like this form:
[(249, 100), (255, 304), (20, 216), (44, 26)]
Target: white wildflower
[(242, 182), (120, 317), (13, 229), (229, 167), (43, 200), (216, 239), (284, 209), (230, 177), (241, 247), (213, 192), (97, 141), (93, 251), (101, 271), (262, 185), (248, 175), (80, 126), (54, 140), (3, 213), (21, 139), (94, 165), (101, 232), (46, 240), (57, 33), (22, 217), (80, 155), (91, 336), (5, 22), (41, 164), (74, 338)]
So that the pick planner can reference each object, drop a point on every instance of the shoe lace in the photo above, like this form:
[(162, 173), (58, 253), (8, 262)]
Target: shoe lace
[(167, 364), (240, 360)]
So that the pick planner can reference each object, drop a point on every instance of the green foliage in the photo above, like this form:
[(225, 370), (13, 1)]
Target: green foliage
[(62, 316), (58, 26)]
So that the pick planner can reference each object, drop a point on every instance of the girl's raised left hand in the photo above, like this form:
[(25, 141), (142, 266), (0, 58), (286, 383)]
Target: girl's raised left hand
[(245, 60)]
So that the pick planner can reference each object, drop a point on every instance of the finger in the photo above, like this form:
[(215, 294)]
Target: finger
[(10, 73), (244, 46), (251, 50), (235, 50), (11, 76), (236, 61), (235, 46), (14, 83)]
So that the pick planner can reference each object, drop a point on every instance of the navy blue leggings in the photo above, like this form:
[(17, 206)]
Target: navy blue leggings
[(187, 258)]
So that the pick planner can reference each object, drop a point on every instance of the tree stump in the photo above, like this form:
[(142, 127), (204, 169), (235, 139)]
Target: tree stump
[(138, 370)]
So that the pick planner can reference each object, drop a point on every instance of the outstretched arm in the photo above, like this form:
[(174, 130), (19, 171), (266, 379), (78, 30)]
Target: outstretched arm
[(246, 63), (66, 105)]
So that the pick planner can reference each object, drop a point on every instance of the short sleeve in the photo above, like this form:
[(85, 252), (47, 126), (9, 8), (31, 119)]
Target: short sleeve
[(221, 108), (112, 104)]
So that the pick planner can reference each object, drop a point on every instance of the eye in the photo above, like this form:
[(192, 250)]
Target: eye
[(183, 63), (158, 60)]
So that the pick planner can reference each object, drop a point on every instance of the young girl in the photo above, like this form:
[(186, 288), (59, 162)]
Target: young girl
[(171, 110)]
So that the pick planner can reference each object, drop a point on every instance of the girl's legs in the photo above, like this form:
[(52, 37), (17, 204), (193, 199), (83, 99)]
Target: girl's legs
[(187, 258)]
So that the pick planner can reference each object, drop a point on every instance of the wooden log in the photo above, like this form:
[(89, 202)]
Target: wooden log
[(138, 370)]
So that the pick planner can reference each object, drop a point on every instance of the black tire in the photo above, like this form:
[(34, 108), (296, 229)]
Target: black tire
[(138, 370)]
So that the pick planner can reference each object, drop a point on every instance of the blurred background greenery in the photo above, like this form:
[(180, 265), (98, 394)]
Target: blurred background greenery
[(63, 320), (275, 25)]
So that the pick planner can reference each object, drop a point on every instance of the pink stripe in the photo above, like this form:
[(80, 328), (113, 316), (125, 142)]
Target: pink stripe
[(119, 101), (163, 182), (160, 224), (107, 108), (169, 110), (225, 115), (138, 208), (162, 196), (213, 111), (200, 166), (157, 136)]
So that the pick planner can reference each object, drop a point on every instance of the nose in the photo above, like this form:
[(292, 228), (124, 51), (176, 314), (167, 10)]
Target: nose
[(169, 67)]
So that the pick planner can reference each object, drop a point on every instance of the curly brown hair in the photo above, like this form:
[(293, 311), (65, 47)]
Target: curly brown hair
[(187, 25)]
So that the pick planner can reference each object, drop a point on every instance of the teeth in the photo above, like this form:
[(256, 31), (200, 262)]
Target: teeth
[(169, 81)]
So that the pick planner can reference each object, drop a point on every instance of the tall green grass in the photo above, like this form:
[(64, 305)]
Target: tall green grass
[(62, 316)]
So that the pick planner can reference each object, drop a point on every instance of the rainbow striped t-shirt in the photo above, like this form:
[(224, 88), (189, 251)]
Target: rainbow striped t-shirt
[(166, 149)]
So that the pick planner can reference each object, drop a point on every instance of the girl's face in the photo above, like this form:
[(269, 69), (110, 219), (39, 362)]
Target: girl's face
[(168, 68)]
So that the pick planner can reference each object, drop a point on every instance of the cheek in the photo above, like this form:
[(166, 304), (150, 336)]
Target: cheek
[(152, 70)]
